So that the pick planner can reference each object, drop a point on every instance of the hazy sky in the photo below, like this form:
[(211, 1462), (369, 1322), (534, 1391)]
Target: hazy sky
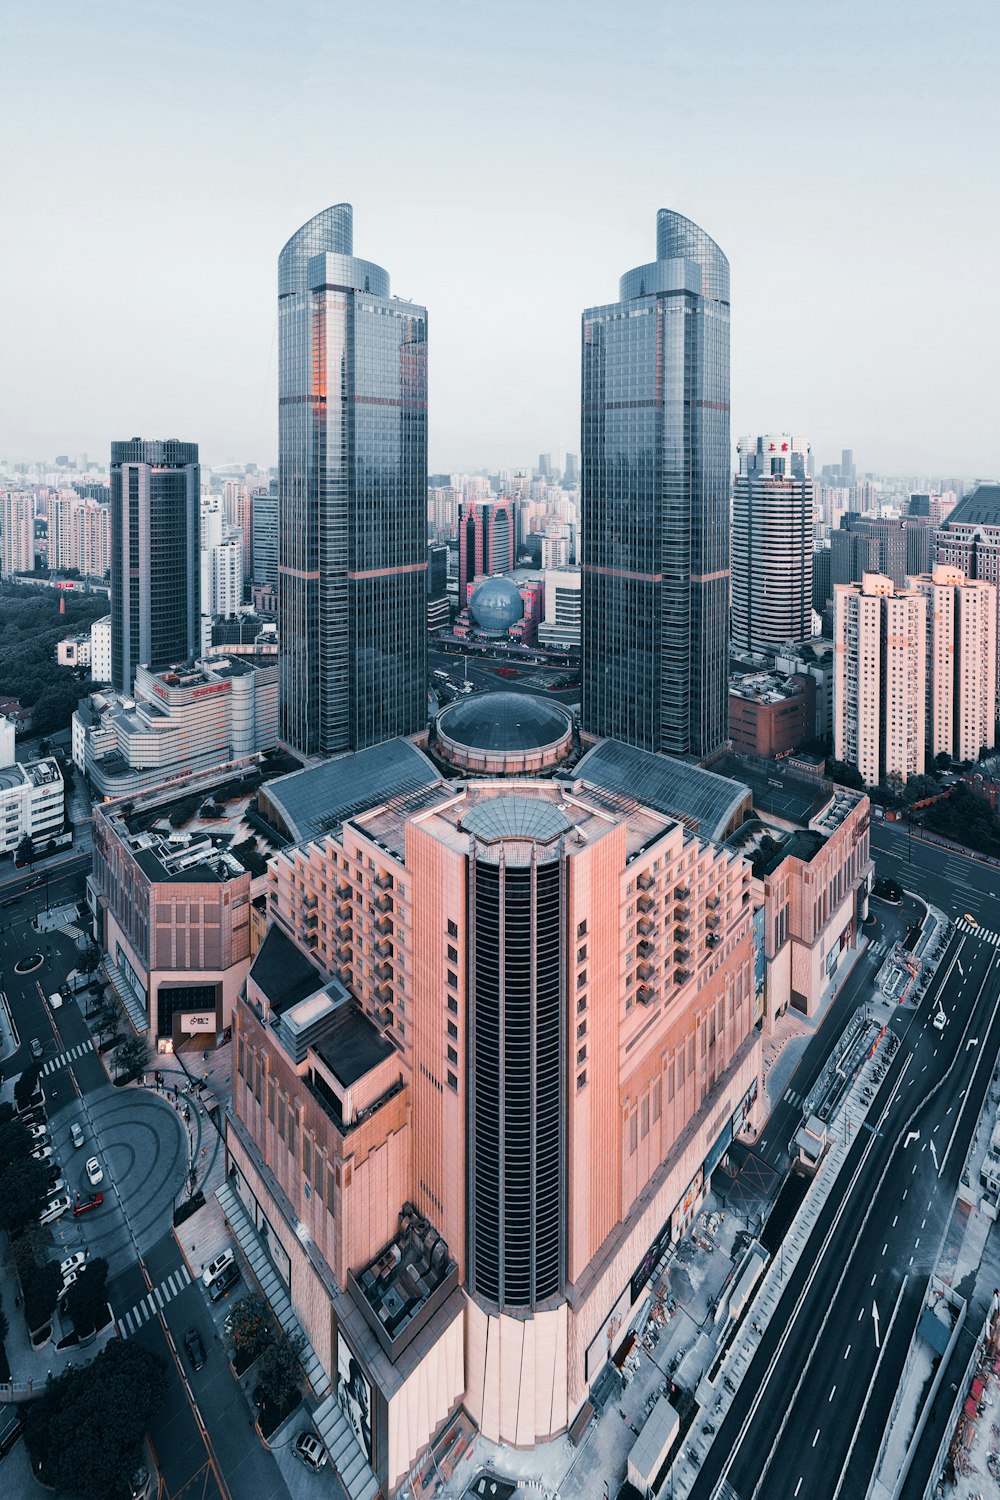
[(505, 162)]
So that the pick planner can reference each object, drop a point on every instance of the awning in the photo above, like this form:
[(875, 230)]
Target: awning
[(977, 1389), (971, 1410)]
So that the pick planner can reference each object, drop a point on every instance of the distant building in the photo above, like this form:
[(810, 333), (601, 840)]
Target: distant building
[(155, 572), (770, 714), (100, 650), (32, 803), (485, 540), (265, 537), (970, 540), (822, 582), (222, 558), (814, 659), (181, 720), (561, 626), (868, 544), (961, 663), (880, 634), (73, 651), (772, 543), (17, 521)]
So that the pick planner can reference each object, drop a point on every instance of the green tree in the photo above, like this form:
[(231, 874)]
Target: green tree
[(87, 1298), (942, 760), (25, 851), (132, 1056), (278, 1370), (106, 1016), (248, 1327), (845, 773), (15, 1143), (30, 1250), (22, 1193), (26, 1085), (90, 959), (85, 1434), (40, 1295)]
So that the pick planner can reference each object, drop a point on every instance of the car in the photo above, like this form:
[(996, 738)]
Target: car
[(56, 1183), (55, 1000), (940, 1021), (225, 1279), (217, 1266), (42, 1153), (38, 1132), (95, 1172), (74, 1262), (84, 1205), (970, 919), (34, 884), (195, 1348), (54, 1209), (308, 1448), (67, 1282), (36, 1047), (76, 1135), (11, 900)]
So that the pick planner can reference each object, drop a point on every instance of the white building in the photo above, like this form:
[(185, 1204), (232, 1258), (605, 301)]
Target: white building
[(100, 650), (180, 720), (17, 520), (772, 542), (73, 651), (880, 636), (961, 662), (561, 626), (221, 565), (31, 802), (8, 737)]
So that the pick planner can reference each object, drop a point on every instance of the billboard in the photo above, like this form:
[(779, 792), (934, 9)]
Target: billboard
[(354, 1394)]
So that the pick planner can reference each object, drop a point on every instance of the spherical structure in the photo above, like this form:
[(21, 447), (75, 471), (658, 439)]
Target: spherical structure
[(496, 605), (504, 734)]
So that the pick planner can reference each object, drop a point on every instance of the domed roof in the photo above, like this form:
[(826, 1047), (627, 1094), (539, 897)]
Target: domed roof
[(505, 722), (496, 604), (498, 818)]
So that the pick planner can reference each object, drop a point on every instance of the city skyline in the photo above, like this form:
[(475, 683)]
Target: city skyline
[(846, 121)]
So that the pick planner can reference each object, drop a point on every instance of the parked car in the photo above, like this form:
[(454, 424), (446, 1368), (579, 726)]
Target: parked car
[(216, 1266), (57, 1183), (223, 1281), (74, 1262), (310, 1450), (54, 1209), (67, 1282), (42, 1153), (195, 1348), (55, 1000), (84, 1205), (95, 1172), (38, 1132), (76, 1135), (36, 1047)]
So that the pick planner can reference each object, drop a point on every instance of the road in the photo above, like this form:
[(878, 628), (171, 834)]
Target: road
[(484, 675), (956, 880), (810, 1412)]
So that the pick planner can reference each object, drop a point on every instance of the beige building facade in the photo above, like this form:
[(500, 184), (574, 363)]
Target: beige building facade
[(879, 678)]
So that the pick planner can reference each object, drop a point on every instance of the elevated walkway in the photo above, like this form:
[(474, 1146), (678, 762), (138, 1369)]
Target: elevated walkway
[(135, 1012)]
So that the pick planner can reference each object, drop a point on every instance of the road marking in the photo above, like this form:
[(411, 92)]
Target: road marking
[(873, 1278), (912, 1135), (150, 1305), (848, 1350), (905, 1191), (799, 1485), (833, 1392), (916, 1242), (816, 1438), (875, 1321), (895, 1221), (923, 1224), (868, 1394), (63, 1059), (861, 1315), (934, 1154)]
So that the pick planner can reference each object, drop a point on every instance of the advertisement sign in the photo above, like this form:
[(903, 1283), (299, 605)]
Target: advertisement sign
[(759, 965), (203, 1021), (354, 1394), (646, 1266)]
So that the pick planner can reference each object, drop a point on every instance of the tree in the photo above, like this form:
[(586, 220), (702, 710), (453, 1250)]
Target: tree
[(87, 1298), (27, 1084), (40, 1295), (942, 760), (25, 851), (85, 1434), (132, 1056), (15, 1143), (278, 1370), (248, 1328), (90, 959), (106, 1015), (44, 749), (22, 1193), (845, 773), (30, 1250)]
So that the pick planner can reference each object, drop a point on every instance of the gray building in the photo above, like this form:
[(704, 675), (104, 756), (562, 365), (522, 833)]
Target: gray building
[(265, 536), (155, 556), (772, 542), (655, 500), (352, 495), (868, 544)]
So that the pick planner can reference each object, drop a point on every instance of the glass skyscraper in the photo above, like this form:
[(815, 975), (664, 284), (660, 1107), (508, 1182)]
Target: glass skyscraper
[(155, 556), (655, 500), (352, 496)]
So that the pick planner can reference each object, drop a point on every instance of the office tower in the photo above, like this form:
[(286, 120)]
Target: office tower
[(880, 678), (265, 536), (238, 503), (352, 495), (772, 542), (545, 465), (221, 562), (571, 473), (486, 534), (155, 555), (655, 500), (961, 662), (17, 517), (868, 544), (970, 539), (821, 580)]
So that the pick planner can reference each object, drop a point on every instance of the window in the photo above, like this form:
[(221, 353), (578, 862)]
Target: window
[(452, 954), (581, 1004), (581, 954), (452, 1082), (632, 1133), (453, 1005), (581, 1030), (581, 1056), (453, 1030), (581, 928), (453, 979), (581, 979), (581, 1080), (452, 928), (452, 1055)]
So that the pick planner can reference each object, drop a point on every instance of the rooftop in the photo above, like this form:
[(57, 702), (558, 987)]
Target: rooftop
[(505, 721), (351, 1045), (705, 801), (317, 800), (981, 507), (283, 971)]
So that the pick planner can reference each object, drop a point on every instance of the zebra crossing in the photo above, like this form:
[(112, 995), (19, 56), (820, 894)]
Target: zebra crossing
[(792, 1096), (65, 1058), (158, 1298), (984, 934), (879, 948)]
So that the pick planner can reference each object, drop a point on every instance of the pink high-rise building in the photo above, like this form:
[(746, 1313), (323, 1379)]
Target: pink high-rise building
[(485, 540), (879, 694)]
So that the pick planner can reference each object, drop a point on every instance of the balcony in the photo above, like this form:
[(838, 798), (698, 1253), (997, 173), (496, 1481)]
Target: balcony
[(310, 901), (384, 902), (713, 939), (645, 950), (646, 926), (383, 882), (345, 929), (345, 953), (645, 903), (309, 920), (383, 972), (345, 908), (384, 949), (344, 890), (681, 955), (681, 976), (682, 892), (712, 920), (711, 902), (645, 994), (645, 881), (681, 913), (383, 994), (681, 934), (647, 971), (383, 926)]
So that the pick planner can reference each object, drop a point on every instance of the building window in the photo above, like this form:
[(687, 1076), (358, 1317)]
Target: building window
[(581, 1055), (453, 1030), (452, 1082), (452, 1055), (581, 1031), (453, 979), (581, 954), (452, 928), (581, 928), (581, 1080), (453, 1005), (452, 954)]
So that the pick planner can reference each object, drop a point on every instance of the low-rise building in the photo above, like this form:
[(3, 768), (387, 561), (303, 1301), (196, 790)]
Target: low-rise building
[(561, 625), (32, 803), (180, 720), (74, 651), (770, 714)]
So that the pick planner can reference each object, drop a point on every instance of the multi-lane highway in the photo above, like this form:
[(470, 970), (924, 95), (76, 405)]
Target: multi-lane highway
[(811, 1410), (956, 880)]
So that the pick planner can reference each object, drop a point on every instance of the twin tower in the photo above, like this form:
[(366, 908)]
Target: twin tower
[(655, 464)]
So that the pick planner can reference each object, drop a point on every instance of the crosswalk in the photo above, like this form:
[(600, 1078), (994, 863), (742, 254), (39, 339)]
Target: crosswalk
[(984, 934), (65, 1058), (158, 1298), (792, 1096), (877, 949)]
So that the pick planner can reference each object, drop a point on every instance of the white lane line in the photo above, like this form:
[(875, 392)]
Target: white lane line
[(799, 1485), (848, 1350), (895, 1221), (868, 1394), (833, 1392), (816, 1438)]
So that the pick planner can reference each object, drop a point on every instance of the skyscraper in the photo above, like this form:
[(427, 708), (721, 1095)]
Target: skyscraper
[(655, 500), (485, 541), (880, 680), (772, 542), (265, 536), (155, 555), (352, 495), (17, 523)]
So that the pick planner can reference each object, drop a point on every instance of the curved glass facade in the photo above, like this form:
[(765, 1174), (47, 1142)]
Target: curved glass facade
[(352, 485), (655, 500), (517, 1195)]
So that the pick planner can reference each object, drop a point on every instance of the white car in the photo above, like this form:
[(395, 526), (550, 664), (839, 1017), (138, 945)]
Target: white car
[(95, 1172), (310, 1450), (38, 1132), (42, 1153), (940, 1021), (217, 1266), (54, 1209), (67, 1282), (73, 1264), (76, 1135)]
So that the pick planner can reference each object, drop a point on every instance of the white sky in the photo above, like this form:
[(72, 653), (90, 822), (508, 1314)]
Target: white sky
[(505, 162)]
